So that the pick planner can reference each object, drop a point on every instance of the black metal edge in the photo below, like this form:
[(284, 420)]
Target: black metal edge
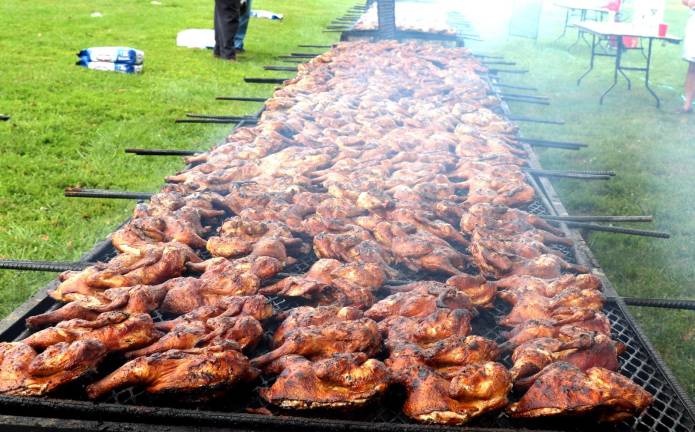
[(164, 415), (13, 423)]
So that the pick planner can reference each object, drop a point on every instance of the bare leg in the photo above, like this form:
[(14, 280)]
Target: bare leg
[(689, 88)]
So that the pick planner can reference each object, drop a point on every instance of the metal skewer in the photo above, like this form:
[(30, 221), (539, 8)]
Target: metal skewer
[(303, 55), (535, 120), (524, 100), (266, 80), (618, 230), (44, 266), (206, 120), (554, 144), (568, 174), (280, 68), (105, 193), (660, 303), (241, 99), (244, 119), (315, 46), (162, 152), (598, 218), (525, 96)]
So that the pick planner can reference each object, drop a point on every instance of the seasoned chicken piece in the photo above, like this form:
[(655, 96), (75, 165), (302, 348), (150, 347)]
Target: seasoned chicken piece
[(256, 306), (183, 225), (564, 389), (117, 331), (353, 244), (584, 319), (481, 292), (181, 371), (522, 285), (538, 307), (444, 356), (238, 237), (582, 349), (441, 324), (150, 265), (305, 316), (23, 372), (418, 250), (428, 223), (132, 300), (244, 330), (322, 341), (419, 303), (509, 221), (474, 390), (340, 381), (332, 282)]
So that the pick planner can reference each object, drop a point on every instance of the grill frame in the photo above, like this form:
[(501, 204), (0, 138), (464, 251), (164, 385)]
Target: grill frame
[(66, 412)]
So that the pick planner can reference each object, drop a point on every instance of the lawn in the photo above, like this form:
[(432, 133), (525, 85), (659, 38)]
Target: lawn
[(653, 152), (70, 125)]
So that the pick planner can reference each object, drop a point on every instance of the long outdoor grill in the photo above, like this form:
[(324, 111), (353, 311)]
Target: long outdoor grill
[(245, 409)]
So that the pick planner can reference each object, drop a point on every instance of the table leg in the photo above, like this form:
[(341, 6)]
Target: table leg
[(618, 57), (591, 62), (564, 29), (646, 73), (582, 15)]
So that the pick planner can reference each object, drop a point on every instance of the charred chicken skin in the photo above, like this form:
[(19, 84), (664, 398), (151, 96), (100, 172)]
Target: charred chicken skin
[(116, 331), (472, 391), (322, 341), (150, 265), (564, 389), (24, 372), (342, 380), (181, 371)]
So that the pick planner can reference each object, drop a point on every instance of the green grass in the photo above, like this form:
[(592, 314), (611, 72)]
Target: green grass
[(70, 125), (653, 152)]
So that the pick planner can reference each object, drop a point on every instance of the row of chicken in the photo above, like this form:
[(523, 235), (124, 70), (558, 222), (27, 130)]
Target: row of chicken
[(409, 18), (354, 239)]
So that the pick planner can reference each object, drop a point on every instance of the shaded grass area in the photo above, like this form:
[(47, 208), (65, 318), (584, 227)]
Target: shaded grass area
[(70, 125), (653, 152)]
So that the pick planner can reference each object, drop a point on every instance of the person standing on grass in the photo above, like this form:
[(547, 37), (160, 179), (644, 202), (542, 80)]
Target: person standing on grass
[(243, 25), (226, 26), (689, 56)]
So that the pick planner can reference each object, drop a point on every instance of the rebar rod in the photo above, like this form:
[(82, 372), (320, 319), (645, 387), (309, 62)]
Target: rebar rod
[(554, 144), (536, 120), (303, 55), (591, 218), (105, 193), (315, 46), (525, 96), (266, 80), (488, 56), (280, 68), (498, 63), (618, 230), (567, 174), (44, 266), (245, 119), (162, 152), (241, 99), (660, 303), (205, 121), (292, 61), (510, 71), (515, 87), (524, 100)]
